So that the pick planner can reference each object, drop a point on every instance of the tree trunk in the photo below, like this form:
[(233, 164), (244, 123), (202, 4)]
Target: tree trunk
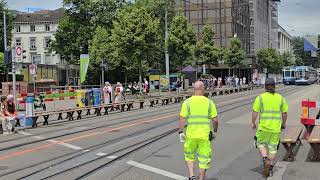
[(140, 76), (125, 78)]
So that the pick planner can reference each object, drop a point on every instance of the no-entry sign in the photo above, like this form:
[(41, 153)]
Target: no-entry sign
[(18, 51)]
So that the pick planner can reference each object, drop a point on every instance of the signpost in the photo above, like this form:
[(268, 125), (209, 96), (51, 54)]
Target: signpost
[(18, 54)]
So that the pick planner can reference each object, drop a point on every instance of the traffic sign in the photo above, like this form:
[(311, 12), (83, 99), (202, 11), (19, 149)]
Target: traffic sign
[(18, 51), (33, 69)]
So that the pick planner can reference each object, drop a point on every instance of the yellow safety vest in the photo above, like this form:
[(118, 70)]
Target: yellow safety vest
[(270, 118), (199, 125)]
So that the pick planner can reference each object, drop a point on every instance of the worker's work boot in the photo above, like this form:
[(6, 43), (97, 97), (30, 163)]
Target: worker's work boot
[(267, 166)]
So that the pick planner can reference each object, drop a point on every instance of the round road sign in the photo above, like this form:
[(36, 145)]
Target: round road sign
[(18, 51)]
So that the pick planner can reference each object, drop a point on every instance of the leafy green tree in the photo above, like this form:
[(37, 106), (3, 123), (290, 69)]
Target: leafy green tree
[(181, 41), (299, 61), (3, 68), (9, 21), (135, 36), (77, 28), (205, 51), (269, 58), (158, 8), (287, 59), (235, 54)]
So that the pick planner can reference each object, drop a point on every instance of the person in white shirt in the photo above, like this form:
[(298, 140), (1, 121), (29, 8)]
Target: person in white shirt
[(146, 86), (237, 81), (107, 92), (118, 92), (244, 80)]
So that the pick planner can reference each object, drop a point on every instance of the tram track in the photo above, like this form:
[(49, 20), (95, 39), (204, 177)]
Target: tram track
[(247, 102)]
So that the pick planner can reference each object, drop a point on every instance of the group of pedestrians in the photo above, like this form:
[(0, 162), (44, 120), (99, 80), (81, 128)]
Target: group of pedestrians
[(200, 113), (8, 115), (119, 91), (211, 83), (235, 81)]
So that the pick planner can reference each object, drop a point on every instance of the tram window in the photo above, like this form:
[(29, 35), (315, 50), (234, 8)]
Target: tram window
[(292, 73), (286, 73)]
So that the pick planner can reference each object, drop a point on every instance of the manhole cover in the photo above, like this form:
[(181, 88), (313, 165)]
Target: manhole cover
[(4, 167)]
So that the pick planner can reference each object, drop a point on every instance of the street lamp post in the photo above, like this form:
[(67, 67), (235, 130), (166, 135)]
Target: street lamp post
[(166, 48)]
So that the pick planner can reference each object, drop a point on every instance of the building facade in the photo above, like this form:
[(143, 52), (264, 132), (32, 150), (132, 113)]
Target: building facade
[(229, 18), (285, 42), (255, 22), (34, 32), (264, 25)]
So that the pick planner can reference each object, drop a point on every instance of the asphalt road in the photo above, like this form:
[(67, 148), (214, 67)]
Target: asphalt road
[(143, 144)]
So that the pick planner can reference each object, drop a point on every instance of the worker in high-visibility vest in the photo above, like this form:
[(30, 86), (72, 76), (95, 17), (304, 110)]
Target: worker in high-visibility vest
[(199, 112), (272, 110)]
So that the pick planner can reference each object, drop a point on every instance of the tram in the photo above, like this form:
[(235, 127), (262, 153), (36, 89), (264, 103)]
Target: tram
[(305, 75), (288, 74)]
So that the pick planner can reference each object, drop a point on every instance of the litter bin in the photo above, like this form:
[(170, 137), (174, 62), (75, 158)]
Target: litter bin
[(89, 99), (81, 95), (96, 96)]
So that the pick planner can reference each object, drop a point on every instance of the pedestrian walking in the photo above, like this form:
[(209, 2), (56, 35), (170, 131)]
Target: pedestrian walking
[(244, 80), (118, 92), (178, 86), (199, 112), (237, 81), (272, 110), (146, 86), (107, 92)]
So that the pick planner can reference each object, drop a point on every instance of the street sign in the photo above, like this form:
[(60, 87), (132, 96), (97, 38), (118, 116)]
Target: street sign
[(32, 69), (18, 54), (18, 51)]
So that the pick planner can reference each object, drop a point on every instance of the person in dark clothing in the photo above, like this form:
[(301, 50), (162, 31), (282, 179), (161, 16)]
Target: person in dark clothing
[(11, 112)]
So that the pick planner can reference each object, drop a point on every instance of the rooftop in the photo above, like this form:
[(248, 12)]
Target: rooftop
[(40, 16)]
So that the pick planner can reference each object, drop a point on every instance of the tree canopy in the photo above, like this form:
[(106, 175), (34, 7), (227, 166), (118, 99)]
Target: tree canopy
[(205, 50), (181, 41), (235, 54), (135, 36), (9, 22)]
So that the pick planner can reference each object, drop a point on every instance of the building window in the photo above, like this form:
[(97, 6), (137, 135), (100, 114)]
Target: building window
[(48, 59), (18, 42), (47, 27), (36, 59), (18, 29), (33, 28), (47, 42), (33, 43)]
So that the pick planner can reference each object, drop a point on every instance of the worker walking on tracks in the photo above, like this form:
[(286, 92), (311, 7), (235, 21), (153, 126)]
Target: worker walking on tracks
[(272, 110), (199, 112)]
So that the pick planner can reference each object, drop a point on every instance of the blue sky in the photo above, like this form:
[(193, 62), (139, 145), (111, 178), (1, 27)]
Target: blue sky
[(298, 17)]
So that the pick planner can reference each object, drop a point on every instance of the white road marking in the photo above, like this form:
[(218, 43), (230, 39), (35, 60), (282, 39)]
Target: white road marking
[(24, 133), (111, 157), (101, 154), (53, 141), (86, 150), (38, 137), (157, 171), (65, 144), (279, 170)]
